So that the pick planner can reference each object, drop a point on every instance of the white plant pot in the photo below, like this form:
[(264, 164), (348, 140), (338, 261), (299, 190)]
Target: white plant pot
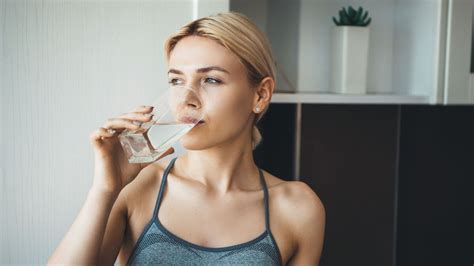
[(349, 59)]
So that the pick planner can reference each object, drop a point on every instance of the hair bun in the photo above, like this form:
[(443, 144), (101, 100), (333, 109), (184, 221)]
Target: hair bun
[(256, 137)]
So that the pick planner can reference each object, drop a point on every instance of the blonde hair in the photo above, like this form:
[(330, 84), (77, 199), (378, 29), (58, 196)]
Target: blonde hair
[(242, 37)]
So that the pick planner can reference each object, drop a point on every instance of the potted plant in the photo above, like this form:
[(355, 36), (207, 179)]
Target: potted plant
[(350, 51)]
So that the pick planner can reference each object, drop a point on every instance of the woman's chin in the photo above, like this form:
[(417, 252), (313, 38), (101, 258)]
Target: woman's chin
[(190, 142)]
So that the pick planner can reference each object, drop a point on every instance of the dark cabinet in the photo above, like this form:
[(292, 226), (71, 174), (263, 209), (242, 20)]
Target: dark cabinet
[(436, 186), (396, 180)]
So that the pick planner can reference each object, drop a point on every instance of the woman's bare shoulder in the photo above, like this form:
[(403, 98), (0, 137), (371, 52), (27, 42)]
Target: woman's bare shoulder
[(289, 189), (295, 200)]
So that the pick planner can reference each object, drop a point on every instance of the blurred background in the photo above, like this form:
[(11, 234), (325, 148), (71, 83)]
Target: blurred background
[(394, 166)]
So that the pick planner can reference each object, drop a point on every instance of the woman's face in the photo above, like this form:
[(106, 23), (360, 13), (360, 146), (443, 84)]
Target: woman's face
[(221, 82)]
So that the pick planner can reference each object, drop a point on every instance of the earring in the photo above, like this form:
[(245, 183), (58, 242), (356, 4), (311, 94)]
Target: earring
[(257, 109)]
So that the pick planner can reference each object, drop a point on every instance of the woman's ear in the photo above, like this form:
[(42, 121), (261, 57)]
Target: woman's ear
[(263, 94)]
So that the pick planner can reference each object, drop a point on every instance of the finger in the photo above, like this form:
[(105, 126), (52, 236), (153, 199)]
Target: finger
[(101, 133), (120, 124), (137, 116), (143, 109)]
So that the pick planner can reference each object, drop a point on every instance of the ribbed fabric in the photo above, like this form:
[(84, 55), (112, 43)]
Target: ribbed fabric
[(158, 246)]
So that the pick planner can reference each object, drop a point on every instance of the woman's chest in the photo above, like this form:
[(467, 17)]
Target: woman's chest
[(209, 224)]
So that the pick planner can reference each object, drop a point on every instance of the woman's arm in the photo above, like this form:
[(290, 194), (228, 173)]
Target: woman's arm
[(82, 243), (309, 225)]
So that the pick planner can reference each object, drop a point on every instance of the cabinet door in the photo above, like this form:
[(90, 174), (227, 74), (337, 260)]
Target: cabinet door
[(457, 87), (435, 189), (348, 157)]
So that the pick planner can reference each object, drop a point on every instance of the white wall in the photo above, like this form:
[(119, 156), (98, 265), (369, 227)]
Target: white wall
[(66, 67)]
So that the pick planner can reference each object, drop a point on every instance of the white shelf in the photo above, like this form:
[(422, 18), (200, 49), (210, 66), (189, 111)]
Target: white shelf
[(348, 98), (416, 47)]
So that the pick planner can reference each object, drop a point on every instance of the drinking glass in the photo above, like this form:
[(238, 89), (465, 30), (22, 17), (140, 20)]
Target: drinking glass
[(175, 113)]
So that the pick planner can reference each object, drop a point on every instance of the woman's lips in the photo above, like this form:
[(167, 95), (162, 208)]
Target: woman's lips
[(190, 120)]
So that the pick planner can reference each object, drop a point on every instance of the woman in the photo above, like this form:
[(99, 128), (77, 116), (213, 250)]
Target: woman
[(211, 205)]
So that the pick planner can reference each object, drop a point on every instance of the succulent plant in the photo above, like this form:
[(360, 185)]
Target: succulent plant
[(352, 17)]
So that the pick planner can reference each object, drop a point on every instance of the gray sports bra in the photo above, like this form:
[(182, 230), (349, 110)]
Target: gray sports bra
[(157, 245)]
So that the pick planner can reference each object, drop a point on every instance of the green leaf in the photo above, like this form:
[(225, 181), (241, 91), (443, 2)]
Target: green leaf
[(367, 23), (351, 12), (343, 18), (365, 15), (346, 14), (357, 19), (350, 16)]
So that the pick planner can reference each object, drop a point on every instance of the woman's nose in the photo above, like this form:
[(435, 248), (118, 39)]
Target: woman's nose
[(193, 105), (193, 99)]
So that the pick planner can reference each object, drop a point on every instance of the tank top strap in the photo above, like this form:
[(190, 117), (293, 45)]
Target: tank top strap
[(162, 187), (163, 184), (265, 200)]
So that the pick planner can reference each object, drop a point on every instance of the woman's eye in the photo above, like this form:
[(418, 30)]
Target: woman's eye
[(174, 82), (212, 81)]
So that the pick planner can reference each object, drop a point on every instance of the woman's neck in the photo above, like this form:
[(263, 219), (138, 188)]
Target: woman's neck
[(221, 169)]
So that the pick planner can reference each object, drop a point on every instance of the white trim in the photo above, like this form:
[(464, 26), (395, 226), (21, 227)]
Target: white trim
[(471, 88), (440, 52), (297, 141), (348, 98), (458, 51)]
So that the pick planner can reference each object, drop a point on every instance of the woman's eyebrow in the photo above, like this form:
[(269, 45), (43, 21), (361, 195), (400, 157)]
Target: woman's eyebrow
[(207, 69), (201, 70)]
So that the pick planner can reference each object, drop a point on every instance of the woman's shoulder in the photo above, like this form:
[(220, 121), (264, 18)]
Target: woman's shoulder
[(291, 191), (300, 219), (296, 201)]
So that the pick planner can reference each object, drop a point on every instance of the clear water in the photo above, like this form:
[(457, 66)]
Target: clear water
[(143, 147)]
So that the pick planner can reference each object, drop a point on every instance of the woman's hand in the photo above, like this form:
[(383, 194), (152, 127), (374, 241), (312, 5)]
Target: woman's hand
[(112, 170)]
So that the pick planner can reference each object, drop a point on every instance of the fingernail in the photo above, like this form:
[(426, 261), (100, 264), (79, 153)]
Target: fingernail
[(148, 115)]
